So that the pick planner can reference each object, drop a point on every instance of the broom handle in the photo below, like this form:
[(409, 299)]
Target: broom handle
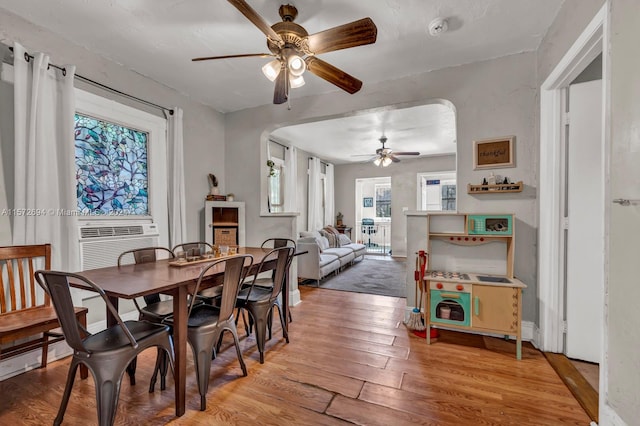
[(416, 276)]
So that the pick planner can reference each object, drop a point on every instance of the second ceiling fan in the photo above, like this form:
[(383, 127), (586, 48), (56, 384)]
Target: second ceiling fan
[(385, 156), (295, 50)]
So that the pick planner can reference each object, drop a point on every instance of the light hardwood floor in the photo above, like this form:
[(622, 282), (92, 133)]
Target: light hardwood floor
[(350, 361)]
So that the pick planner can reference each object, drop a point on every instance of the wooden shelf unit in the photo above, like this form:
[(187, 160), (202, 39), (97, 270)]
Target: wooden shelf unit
[(224, 223), (489, 306), (500, 188)]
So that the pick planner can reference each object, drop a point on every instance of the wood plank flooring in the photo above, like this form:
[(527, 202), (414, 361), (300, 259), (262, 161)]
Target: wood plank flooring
[(350, 361)]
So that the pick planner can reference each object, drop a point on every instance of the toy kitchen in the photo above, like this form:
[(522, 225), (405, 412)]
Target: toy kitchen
[(469, 283)]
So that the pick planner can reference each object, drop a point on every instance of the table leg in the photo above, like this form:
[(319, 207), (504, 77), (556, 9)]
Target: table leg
[(285, 301), (180, 347)]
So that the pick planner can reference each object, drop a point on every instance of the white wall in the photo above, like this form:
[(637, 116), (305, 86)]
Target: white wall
[(492, 98), (204, 148), (403, 191)]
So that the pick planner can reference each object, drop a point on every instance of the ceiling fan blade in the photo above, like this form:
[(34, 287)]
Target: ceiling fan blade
[(356, 33), (245, 55), (394, 158), (406, 153), (257, 20), (280, 91), (333, 75)]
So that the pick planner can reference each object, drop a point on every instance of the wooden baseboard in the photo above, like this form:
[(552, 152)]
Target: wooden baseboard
[(586, 395)]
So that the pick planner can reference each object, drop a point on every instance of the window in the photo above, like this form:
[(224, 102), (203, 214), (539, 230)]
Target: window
[(383, 200), (114, 123), (276, 186), (111, 168), (437, 191)]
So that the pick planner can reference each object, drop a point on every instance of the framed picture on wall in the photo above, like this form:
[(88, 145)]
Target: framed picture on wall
[(493, 153), (367, 202)]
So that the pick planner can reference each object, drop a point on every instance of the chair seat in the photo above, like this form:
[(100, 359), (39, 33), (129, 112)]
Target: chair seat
[(258, 294), (201, 316), (211, 292), (157, 311), (114, 338)]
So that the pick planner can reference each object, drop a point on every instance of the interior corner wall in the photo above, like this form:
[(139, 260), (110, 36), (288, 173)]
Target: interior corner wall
[(204, 148), (492, 98), (404, 188)]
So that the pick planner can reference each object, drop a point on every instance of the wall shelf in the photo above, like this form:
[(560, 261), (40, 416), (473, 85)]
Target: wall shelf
[(500, 188)]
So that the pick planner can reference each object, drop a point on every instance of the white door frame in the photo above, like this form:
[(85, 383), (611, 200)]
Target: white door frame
[(550, 248)]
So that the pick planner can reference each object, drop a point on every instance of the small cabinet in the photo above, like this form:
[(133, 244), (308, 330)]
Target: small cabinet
[(495, 308), (225, 223)]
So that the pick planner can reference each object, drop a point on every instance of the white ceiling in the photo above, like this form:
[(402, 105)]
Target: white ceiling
[(158, 38), (427, 129)]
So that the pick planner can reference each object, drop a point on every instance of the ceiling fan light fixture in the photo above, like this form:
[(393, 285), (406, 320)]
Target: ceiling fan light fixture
[(272, 69), (386, 161), (377, 161), (295, 81), (297, 66)]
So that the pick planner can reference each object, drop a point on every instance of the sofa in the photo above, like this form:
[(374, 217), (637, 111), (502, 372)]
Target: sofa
[(324, 257)]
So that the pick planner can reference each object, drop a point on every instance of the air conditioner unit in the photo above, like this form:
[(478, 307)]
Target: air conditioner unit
[(100, 246)]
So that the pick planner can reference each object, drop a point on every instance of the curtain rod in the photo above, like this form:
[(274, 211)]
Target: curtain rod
[(28, 57), (321, 162), (278, 143)]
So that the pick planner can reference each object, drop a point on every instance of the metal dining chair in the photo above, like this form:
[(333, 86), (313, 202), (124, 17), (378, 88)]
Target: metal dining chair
[(260, 301), (207, 323), (155, 309), (199, 247), (106, 353)]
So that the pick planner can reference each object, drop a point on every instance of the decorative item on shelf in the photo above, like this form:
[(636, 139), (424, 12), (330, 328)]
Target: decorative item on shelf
[(230, 197), (272, 168), (339, 218), (213, 185), (503, 185)]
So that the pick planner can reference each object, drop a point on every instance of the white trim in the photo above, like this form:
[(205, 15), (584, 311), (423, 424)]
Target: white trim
[(584, 50), (608, 417), (106, 109)]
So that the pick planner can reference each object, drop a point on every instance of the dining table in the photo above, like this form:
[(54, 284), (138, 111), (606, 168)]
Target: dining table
[(178, 281)]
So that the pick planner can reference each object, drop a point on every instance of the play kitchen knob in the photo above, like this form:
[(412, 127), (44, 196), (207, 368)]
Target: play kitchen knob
[(459, 287), (439, 285)]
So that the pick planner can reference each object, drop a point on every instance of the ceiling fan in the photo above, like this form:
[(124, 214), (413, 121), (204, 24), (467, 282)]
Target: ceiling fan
[(295, 50), (385, 156)]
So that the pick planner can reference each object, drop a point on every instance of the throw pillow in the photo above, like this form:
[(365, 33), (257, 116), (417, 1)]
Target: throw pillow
[(344, 240), (323, 243), (331, 238)]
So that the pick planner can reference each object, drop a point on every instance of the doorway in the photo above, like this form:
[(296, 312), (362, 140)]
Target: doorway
[(373, 214), (556, 226)]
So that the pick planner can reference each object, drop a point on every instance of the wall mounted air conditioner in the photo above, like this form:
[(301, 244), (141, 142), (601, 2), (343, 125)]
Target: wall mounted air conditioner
[(100, 246)]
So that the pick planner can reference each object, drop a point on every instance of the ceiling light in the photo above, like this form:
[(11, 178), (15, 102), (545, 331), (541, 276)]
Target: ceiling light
[(377, 161), (272, 69), (295, 81), (296, 65), (386, 161)]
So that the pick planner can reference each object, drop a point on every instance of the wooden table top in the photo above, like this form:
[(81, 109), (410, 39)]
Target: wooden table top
[(136, 280)]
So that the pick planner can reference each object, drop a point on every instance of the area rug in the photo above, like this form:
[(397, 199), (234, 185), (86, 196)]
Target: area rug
[(383, 277)]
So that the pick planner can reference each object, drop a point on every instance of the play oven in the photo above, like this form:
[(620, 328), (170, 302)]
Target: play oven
[(482, 224), (450, 303)]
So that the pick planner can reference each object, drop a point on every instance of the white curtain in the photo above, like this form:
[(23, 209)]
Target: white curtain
[(291, 180), (175, 184), (315, 213), (329, 201), (44, 178)]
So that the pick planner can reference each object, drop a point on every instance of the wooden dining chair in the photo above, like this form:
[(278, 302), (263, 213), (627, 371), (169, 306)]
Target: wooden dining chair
[(27, 319), (207, 323), (107, 353)]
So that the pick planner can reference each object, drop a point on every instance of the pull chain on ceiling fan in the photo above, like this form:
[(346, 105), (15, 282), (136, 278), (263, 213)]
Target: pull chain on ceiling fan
[(295, 50)]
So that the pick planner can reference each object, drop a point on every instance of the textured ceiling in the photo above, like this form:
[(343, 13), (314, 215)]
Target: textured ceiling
[(158, 39)]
